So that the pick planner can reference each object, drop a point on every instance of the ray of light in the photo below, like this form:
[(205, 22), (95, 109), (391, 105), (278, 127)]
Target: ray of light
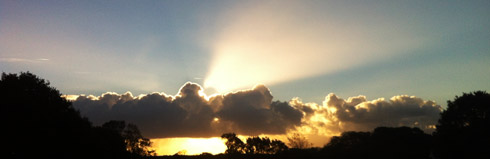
[(272, 43)]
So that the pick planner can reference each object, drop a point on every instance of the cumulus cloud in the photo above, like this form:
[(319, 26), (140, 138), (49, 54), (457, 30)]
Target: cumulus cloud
[(337, 115), (359, 114), (190, 113)]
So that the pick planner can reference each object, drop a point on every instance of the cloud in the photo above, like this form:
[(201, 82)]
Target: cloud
[(191, 113), (361, 115), (338, 115), (23, 60), (252, 112)]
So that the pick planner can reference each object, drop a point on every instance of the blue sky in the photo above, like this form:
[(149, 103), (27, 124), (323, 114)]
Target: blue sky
[(430, 49)]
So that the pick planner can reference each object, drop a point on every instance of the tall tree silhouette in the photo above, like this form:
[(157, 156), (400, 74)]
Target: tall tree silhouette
[(38, 123), (463, 131), (234, 144), (298, 141), (136, 144)]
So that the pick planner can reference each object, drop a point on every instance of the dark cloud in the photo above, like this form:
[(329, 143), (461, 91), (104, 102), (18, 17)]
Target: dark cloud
[(337, 115), (190, 114), (252, 112), (360, 114)]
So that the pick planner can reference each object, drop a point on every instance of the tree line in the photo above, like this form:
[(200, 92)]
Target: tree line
[(38, 123)]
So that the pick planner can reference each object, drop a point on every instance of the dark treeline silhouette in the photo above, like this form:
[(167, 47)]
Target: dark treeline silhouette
[(383, 142), (38, 123), (254, 145)]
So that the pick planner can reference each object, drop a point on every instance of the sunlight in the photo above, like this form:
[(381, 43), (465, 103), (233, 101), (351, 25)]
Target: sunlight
[(261, 46), (70, 97), (192, 146)]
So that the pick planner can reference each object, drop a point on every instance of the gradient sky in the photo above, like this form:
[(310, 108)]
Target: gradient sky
[(307, 49), (431, 49)]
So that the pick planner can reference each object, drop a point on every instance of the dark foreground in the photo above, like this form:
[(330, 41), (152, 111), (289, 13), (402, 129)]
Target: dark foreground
[(38, 123)]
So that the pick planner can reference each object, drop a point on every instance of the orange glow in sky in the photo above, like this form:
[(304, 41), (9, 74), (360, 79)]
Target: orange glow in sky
[(213, 145), (193, 146)]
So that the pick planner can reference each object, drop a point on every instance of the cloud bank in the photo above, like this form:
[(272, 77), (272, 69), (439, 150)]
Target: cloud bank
[(190, 113)]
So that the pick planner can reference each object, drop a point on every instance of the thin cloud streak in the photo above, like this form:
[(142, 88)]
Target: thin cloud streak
[(15, 60)]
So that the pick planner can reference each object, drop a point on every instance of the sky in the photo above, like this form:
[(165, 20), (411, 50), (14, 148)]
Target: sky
[(332, 66)]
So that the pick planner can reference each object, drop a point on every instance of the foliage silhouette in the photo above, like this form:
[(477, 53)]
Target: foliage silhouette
[(383, 142), (463, 131), (234, 144), (256, 147), (277, 146), (33, 112), (136, 144), (298, 141), (259, 145), (39, 123)]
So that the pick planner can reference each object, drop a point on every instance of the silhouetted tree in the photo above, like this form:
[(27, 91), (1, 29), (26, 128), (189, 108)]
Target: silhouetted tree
[(463, 131), (38, 123), (298, 141), (254, 145), (136, 144), (115, 125), (258, 145), (278, 146), (108, 144), (400, 142), (383, 142), (349, 145), (233, 143)]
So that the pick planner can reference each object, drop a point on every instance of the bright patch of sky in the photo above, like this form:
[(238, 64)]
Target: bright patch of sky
[(431, 49)]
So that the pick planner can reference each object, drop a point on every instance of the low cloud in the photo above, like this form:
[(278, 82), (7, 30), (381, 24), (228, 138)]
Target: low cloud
[(191, 113)]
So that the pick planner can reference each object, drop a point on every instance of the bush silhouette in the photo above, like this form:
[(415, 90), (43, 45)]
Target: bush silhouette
[(38, 123), (298, 141), (135, 143), (463, 131), (264, 145), (383, 142)]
